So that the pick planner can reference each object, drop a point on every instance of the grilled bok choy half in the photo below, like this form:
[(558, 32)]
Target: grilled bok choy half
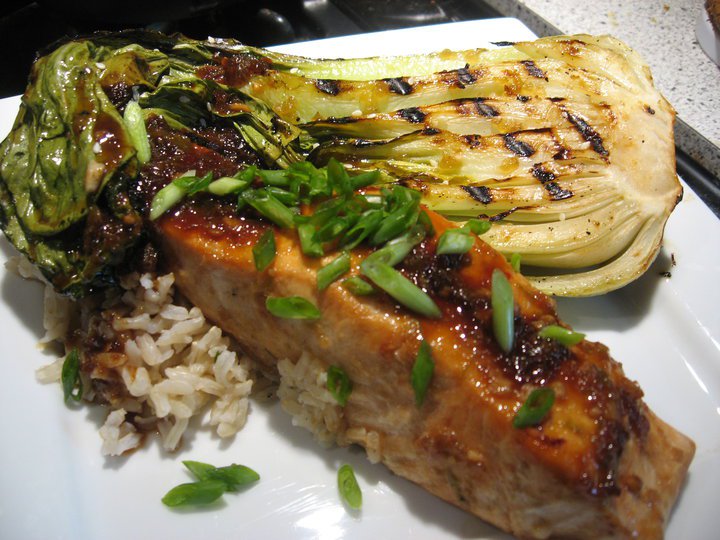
[(563, 143)]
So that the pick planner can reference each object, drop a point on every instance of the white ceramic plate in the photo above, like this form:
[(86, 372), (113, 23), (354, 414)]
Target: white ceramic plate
[(55, 484)]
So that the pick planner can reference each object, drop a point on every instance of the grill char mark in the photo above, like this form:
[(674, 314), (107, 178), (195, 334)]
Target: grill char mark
[(340, 120), (464, 77), (533, 70), (547, 179), (518, 147), (484, 109), (412, 115), (479, 193), (399, 86), (328, 86), (587, 131)]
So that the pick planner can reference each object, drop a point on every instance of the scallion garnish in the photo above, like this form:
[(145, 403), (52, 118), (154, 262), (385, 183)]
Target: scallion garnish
[(401, 289), (194, 493), (234, 476), (561, 335), (135, 122), (515, 261), (535, 409), (358, 286), (454, 242), (477, 226), (264, 250), (70, 377), (227, 185), (422, 372), (292, 307), (333, 270), (192, 184), (460, 241), (212, 483), (503, 310), (308, 244), (348, 487), (339, 384), (267, 205), (165, 199)]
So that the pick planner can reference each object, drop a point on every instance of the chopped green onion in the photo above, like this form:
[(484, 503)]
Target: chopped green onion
[(193, 184), (70, 377), (234, 476), (366, 225), (333, 270), (503, 310), (333, 228), (426, 222), (477, 226), (227, 185), (454, 242), (515, 260), (561, 335), (535, 409), (277, 178), (308, 244), (338, 177), (291, 307), (268, 206), (422, 372), (365, 179), (358, 286), (203, 492), (165, 199), (135, 122), (282, 195), (396, 222), (349, 488), (401, 289), (339, 384), (264, 251), (397, 249)]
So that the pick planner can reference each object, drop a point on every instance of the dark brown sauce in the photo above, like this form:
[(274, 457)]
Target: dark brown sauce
[(234, 70)]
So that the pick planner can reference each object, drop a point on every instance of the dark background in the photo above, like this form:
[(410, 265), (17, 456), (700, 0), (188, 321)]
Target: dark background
[(26, 27)]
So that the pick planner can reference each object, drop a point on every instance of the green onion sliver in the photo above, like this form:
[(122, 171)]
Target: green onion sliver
[(268, 206), (561, 335), (165, 199), (422, 372), (349, 488), (70, 377), (401, 289), (135, 122), (358, 286), (455, 242), (333, 270), (515, 261), (339, 384), (264, 250), (477, 226), (203, 492), (503, 310), (535, 409), (227, 185), (308, 244), (292, 307), (234, 476)]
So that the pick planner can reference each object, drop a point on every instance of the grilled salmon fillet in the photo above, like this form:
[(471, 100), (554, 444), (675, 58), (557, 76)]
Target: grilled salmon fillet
[(601, 465)]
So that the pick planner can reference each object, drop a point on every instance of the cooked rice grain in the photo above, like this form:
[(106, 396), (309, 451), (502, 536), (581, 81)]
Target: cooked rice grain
[(174, 365)]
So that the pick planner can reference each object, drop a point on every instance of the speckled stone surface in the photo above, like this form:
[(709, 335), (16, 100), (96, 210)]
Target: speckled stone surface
[(663, 32)]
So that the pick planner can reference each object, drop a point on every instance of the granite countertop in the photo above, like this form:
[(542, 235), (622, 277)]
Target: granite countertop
[(663, 32)]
